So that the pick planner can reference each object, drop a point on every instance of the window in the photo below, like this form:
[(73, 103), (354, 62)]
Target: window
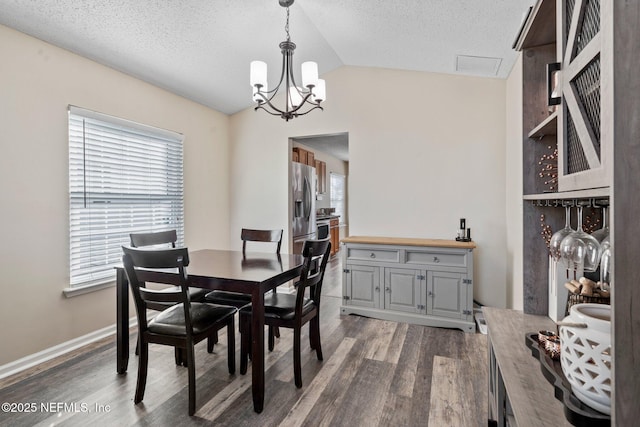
[(123, 177), (338, 193)]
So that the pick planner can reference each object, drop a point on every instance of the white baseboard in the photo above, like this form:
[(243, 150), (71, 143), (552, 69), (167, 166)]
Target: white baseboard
[(58, 350)]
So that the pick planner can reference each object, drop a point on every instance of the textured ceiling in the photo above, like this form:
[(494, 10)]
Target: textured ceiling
[(201, 49)]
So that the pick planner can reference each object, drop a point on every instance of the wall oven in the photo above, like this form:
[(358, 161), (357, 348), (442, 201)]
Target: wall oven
[(323, 229)]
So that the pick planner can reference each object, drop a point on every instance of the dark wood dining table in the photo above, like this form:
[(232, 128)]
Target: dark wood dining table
[(250, 273)]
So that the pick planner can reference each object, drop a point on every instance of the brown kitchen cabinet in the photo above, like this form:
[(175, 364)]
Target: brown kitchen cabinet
[(321, 170), (334, 230), (303, 156), (300, 155)]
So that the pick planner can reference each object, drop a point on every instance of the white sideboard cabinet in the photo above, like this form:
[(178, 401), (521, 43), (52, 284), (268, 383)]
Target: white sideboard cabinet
[(422, 281)]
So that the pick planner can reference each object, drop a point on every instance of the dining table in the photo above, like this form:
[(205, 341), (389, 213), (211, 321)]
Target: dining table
[(250, 273)]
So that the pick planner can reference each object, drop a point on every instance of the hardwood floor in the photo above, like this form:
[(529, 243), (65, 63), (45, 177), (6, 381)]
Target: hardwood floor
[(374, 372)]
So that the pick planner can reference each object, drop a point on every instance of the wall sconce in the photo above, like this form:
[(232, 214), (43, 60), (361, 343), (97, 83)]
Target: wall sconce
[(553, 82)]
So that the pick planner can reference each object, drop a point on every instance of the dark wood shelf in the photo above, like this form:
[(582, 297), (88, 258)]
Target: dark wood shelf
[(576, 412), (549, 126)]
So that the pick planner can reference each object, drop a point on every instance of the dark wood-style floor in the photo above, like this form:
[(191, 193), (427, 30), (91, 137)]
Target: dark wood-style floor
[(374, 373)]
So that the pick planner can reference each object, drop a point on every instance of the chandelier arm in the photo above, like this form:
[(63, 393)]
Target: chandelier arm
[(317, 107), (261, 107), (294, 111), (273, 107), (275, 90)]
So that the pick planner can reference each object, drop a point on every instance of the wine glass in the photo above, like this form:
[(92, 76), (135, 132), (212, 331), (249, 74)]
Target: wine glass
[(605, 263), (580, 248), (558, 236), (604, 231)]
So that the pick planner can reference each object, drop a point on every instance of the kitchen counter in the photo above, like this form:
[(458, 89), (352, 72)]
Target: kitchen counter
[(407, 241), (326, 217)]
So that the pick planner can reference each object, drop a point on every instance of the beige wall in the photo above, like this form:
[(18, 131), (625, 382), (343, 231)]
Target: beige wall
[(424, 150), (514, 187), (37, 83)]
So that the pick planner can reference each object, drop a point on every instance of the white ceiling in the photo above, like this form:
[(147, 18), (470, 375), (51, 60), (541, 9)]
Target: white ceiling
[(201, 49)]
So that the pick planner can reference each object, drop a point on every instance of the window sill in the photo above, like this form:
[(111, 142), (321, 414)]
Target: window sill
[(81, 290)]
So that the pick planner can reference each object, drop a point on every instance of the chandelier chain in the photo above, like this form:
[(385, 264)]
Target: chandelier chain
[(286, 27)]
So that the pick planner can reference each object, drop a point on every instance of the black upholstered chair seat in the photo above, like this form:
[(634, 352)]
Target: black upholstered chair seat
[(228, 298), (195, 294), (283, 306), (171, 321)]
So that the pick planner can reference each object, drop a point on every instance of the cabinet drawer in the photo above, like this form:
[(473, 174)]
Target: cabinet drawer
[(364, 254), (437, 258)]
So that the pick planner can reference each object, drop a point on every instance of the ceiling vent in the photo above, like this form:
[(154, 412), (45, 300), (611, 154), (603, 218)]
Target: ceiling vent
[(478, 65)]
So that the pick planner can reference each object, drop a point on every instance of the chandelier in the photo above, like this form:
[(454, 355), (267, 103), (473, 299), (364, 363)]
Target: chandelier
[(298, 100)]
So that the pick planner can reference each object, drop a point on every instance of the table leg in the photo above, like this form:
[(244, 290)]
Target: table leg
[(122, 320), (257, 349)]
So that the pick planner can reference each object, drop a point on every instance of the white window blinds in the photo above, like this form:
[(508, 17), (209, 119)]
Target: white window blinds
[(338, 194), (123, 177)]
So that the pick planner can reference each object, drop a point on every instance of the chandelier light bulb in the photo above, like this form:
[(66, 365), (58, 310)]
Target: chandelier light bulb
[(319, 91), (294, 97), (258, 74), (309, 74)]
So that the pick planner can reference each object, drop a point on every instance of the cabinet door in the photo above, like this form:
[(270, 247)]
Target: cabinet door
[(335, 240), (402, 289), (585, 137), (447, 295), (362, 286)]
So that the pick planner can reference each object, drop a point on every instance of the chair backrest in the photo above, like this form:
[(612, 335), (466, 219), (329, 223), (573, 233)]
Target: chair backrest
[(136, 259), (249, 235), (316, 254), (168, 237)]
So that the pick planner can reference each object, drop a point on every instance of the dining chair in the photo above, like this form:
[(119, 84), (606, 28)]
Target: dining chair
[(247, 235), (183, 324), (238, 299), (160, 239), (293, 310), (164, 239)]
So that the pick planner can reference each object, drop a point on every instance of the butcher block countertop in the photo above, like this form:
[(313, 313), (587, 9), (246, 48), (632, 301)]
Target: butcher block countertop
[(407, 241)]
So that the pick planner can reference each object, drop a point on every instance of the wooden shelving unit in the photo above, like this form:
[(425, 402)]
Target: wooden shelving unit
[(620, 181)]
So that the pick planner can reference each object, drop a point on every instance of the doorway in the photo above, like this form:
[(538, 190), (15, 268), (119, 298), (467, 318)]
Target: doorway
[(330, 158)]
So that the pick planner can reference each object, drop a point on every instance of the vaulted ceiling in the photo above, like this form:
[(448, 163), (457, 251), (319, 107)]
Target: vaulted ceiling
[(201, 49)]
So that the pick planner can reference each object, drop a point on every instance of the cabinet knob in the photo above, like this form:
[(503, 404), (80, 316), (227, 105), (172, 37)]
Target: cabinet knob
[(436, 259), (372, 255), (430, 293), (388, 289), (377, 288)]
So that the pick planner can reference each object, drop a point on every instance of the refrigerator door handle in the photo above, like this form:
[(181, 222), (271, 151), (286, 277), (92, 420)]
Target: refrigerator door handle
[(307, 198)]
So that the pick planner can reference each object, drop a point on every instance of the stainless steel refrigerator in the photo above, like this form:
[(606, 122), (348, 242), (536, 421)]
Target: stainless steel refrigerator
[(303, 223)]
